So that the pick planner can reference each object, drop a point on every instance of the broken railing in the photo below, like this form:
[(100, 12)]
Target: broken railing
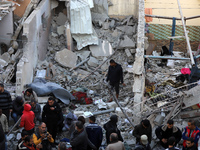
[(172, 101)]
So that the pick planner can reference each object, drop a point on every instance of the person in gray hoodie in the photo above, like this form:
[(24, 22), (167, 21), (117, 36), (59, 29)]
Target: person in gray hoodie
[(36, 108)]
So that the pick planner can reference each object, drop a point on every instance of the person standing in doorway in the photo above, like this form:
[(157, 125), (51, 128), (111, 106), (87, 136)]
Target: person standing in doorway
[(115, 76)]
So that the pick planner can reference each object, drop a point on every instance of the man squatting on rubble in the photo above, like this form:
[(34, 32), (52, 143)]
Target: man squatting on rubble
[(115, 75)]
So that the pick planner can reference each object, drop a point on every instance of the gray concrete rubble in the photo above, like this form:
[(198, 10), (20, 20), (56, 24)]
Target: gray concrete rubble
[(104, 49), (66, 58)]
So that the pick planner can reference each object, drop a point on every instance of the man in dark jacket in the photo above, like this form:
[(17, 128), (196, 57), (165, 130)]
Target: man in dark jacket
[(5, 101), (115, 75), (171, 144), (144, 128), (166, 131), (190, 145), (94, 132), (36, 108), (18, 107), (79, 139), (111, 127), (51, 116)]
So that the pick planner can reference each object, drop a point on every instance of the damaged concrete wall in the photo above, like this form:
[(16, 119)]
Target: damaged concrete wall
[(36, 31), (123, 8), (6, 30), (138, 66)]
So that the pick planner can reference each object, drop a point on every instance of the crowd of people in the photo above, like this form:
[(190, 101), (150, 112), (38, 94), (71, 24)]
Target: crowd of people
[(81, 137)]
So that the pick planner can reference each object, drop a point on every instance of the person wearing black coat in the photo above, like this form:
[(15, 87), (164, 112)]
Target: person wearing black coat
[(18, 107), (115, 76), (111, 127), (144, 128), (79, 139), (166, 131), (51, 115)]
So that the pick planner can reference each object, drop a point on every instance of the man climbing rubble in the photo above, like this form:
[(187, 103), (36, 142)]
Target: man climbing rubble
[(115, 75)]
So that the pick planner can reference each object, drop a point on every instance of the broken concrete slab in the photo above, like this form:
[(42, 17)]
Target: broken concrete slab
[(106, 25), (83, 54), (128, 30), (128, 54), (100, 11), (66, 58), (6, 56), (93, 62), (84, 40), (104, 49), (90, 2), (11, 50), (3, 63), (61, 19), (80, 16), (61, 30), (126, 42)]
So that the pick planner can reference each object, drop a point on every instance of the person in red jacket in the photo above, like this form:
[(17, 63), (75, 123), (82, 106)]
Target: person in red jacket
[(27, 119)]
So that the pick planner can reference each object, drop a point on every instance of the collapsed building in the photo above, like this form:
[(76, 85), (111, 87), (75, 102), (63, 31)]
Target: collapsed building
[(67, 45)]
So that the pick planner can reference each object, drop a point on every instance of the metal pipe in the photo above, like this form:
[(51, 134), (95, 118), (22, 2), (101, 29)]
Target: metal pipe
[(103, 112), (14, 126), (79, 64), (166, 57), (162, 17), (186, 33)]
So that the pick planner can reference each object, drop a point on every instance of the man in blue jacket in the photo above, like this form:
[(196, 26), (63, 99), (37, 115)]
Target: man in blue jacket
[(191, 131), (94, 132)]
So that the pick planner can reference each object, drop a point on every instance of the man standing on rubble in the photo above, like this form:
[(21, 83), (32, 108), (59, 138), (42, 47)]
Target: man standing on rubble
[(51, 116), (5, 101), (115, 75), (191, 131), (166, 131)]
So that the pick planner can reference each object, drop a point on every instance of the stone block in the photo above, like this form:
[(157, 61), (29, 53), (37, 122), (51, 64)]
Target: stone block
[(61, 30), (104, 49), (93, 62), (159, 120), (112, 23), (6, 57), (61, 19), (127, 43), (66, 58), (3, 63), (83, 54)]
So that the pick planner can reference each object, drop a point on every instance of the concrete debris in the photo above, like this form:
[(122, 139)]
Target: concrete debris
[(84, 40), (61, 30), (66, 58), (80, 9), (93, 62), (61, 19), (90, 2), (6, 57), (104, 49), (126, 42), (3, 63), (100, 11), (84, 54)]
